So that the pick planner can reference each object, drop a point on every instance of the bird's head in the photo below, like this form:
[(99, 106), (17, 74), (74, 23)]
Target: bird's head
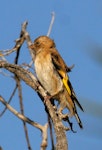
[(42, 42)]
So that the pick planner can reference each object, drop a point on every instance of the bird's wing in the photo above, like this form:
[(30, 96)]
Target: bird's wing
[(59, 62), (61, 68)]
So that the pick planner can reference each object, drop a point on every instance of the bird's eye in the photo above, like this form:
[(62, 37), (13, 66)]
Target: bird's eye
[(37, 43)]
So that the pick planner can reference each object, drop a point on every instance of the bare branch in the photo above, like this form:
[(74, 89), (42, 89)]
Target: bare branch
[(51, 24), (23, 74), (44, 137), (58, 127), (19, 115), (43, 129)]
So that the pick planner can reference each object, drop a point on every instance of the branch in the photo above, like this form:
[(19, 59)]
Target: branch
[(43, 129), (51, 24), (23, 74)]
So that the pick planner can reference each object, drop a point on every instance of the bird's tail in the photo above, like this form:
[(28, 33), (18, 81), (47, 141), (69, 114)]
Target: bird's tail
[(78, 120)]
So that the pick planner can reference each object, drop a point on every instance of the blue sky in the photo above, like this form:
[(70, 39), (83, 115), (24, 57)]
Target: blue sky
[(77, 31)]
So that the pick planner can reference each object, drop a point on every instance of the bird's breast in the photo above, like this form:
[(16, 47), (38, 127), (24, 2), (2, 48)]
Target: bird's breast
[(47, 74)]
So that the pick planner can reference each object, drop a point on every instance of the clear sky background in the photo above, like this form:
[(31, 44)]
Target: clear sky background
[(77, 32)]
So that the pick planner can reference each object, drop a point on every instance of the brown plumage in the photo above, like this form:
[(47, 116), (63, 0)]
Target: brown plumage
[(51, 72)]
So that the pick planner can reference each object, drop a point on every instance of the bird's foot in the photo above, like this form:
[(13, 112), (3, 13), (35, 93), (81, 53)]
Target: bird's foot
[(62, 116)]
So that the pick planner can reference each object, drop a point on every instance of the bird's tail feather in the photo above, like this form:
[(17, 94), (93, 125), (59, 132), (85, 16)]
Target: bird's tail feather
[(78, 120)]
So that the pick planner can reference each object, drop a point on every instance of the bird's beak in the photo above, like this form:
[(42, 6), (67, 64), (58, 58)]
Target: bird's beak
[(31, 46)]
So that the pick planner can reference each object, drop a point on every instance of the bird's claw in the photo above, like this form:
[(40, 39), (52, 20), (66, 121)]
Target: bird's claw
[(62, 116)]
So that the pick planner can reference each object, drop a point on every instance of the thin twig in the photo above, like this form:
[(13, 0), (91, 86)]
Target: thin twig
[(20, 41), (13, 93), (51, 24), (51, 132), (22, 112), (26, 34), (7, 52)]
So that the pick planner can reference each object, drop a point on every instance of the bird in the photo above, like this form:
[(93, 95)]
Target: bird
[(52, 73)]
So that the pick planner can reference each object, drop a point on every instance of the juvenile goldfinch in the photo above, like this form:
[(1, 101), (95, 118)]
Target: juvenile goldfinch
[(51, 72)]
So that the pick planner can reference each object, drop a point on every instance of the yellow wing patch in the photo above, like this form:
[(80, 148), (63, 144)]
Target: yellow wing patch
[(65, 80)]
